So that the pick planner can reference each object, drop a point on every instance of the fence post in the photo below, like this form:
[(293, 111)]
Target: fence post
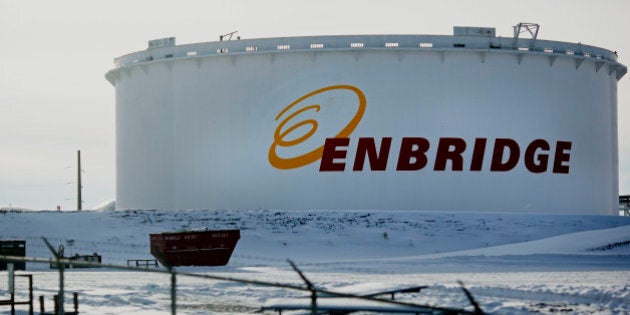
[(309, 285), (56, 302), (173, 285), (59, 256), (30, 294), (41, 304), (61, 286), (313, 302), (173, 292), (75, 299)]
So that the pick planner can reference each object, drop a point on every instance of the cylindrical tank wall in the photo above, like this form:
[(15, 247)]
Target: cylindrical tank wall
[(198, 133)]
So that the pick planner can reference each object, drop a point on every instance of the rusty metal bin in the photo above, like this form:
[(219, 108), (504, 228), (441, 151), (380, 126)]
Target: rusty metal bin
[(194, 248)]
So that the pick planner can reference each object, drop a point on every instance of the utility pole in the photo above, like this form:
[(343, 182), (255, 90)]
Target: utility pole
[(79, 199)]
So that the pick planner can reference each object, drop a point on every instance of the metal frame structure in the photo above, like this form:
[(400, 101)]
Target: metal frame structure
[(309, 286)]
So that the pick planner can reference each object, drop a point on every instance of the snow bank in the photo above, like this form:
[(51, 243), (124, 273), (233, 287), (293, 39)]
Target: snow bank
[(106, 206), (513, 263)]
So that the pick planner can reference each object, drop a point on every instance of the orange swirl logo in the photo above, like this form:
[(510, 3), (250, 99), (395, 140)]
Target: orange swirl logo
[(281, 133)]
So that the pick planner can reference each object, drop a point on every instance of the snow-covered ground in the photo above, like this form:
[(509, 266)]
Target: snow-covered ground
[(512, 263)]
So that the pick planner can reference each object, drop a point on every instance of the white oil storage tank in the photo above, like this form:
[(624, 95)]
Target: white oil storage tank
[(469, 122)]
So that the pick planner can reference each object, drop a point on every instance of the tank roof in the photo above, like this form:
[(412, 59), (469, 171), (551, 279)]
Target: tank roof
[(485, 41)]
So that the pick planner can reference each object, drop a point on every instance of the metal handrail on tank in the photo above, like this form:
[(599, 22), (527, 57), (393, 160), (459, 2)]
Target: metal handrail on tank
[(385, 42), (316, 44)]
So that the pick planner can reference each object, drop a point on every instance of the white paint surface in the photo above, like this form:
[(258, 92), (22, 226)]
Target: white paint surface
[(195, 132)]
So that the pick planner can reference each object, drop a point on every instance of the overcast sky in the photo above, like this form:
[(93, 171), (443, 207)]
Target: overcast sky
[(54, 98)]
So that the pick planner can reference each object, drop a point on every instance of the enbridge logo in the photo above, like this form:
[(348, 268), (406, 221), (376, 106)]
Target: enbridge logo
[(280, 135), (539, 155)]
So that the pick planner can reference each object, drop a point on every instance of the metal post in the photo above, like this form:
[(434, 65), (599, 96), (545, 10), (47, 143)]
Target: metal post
[(61, 286), (11, 273), (30, 294), (313, 302), (59, 256), (41, 304), (12, 304), (309, 286), (75, 299), (173, 293)]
